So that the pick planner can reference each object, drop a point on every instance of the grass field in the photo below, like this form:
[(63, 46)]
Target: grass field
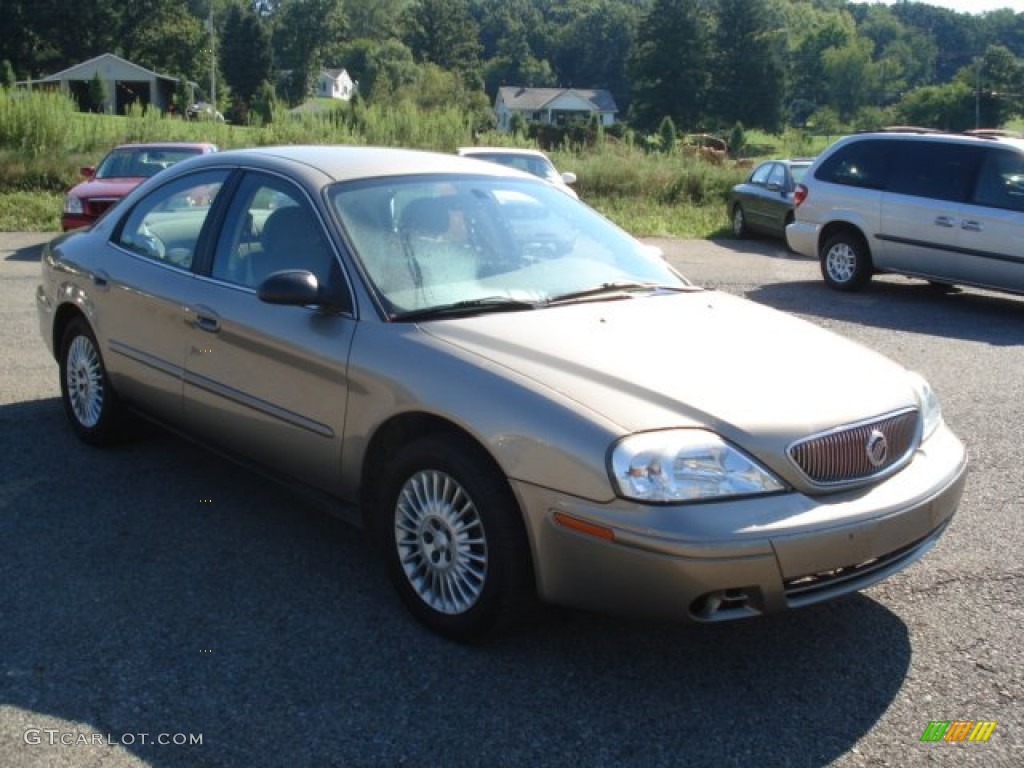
[(44, 141)]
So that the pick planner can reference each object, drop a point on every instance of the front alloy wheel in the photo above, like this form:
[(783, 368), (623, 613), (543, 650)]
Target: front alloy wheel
[(455, 540), (441, 542)]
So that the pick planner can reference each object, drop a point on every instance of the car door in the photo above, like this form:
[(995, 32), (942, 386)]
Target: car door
[(754, 193), (778, 199), (268, 381), (148, 280), (923, 207), (992, 229)]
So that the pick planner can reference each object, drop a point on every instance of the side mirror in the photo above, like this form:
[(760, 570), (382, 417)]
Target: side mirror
[(569, 177), (87, 171), (291, 287), (297, 288)]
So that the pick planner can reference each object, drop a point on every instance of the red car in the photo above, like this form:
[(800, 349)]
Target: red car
[(123, 169)]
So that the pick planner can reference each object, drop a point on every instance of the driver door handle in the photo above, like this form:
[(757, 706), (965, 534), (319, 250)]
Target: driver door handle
[(203, 318)]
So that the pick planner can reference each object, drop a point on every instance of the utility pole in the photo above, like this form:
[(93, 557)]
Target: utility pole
[(213, 63), (977, 92)]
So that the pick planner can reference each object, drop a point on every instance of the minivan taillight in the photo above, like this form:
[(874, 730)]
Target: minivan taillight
[(799, 195)]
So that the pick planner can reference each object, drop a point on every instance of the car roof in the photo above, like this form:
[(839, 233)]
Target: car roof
[(347, 163), (500, 151), (204, 146), (910, 133)]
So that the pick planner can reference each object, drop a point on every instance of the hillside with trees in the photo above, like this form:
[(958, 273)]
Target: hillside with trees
[(705, 64)]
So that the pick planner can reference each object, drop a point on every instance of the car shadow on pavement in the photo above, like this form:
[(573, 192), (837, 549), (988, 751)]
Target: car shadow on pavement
[(906, 305), (762, 245), (31, 252), (156, 589)]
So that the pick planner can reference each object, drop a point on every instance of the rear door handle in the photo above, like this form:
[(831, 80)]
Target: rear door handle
[(945, 221), (971, 226)]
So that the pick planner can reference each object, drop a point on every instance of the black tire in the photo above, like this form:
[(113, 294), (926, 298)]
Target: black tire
[(439, 491), (739, 222), (89, 400), (846, 261)]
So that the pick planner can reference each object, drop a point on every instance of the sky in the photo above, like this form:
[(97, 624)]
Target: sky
[(977, 6)]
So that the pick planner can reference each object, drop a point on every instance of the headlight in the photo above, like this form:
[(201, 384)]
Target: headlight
[(684, 465), (928, 401), (73, 205)]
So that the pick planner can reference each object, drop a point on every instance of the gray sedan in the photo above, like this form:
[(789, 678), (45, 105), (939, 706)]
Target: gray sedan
[(516, 398)]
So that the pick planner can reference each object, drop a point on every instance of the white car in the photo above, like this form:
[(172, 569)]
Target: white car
[(530, 160)]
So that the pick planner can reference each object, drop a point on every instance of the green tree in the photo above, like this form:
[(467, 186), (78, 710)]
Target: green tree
[(443, 32), (671, 64), (7, 76), (97, 94), (246, 55), (850, 76), (748, 76), (304, 33), (667, 135)]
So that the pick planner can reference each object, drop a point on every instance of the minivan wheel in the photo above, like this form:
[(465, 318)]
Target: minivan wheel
[(89, 401), (739, 221), (455, 542), (846, 261)]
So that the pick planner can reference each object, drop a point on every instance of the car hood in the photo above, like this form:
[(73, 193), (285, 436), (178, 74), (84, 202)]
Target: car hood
[(106, 187), (753, 374)]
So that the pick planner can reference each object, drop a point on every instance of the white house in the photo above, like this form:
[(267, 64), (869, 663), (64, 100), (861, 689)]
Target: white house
[(552, 106), (335, 84), (124, 83)]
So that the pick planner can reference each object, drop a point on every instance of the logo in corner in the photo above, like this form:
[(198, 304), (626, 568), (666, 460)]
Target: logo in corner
[(958, 730)]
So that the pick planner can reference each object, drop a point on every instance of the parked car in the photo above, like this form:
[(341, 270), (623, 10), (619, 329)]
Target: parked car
[(123, 169), (529, 160), (764, 202), (202, 110), (490, 377), (947, 208)]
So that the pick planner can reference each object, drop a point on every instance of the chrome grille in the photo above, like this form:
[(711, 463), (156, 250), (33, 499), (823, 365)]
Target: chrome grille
[(843, 455)]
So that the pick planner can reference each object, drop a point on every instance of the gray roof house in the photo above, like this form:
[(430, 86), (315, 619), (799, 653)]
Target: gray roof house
[(126, 83), (552, 106)]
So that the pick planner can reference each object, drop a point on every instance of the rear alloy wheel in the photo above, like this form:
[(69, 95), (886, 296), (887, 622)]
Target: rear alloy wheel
[(739, 221), (89, 401), (454, 539), (846, 262)]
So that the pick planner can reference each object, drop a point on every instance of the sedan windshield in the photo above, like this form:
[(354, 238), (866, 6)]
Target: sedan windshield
[(471, 243), (141, 162)]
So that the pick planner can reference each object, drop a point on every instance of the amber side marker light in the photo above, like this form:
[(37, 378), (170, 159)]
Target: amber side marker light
[(575, 524)]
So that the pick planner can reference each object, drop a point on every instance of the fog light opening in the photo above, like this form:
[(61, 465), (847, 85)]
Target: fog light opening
[(726, 604)]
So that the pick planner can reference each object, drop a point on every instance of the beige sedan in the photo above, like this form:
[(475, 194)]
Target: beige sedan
[(514, 396)]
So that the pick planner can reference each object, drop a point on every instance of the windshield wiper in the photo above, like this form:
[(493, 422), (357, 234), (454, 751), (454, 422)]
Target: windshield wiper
[(618, 289), (468, 307)]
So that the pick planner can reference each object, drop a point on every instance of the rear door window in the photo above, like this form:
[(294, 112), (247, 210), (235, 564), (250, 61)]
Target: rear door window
[(936, 170)]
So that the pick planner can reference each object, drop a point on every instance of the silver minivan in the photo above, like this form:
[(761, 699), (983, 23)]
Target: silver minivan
[(948, 208)]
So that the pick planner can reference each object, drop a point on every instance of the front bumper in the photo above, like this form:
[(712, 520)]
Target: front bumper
[(723, 560)]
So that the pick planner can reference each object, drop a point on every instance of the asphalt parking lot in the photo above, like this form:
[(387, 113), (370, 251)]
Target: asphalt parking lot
[(155, 595)]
